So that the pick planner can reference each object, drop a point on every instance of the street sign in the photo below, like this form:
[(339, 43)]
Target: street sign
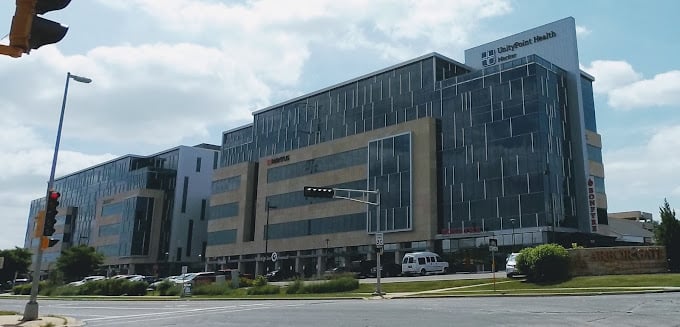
[(274, 256), (379, 241), (493, 245), (184, 270)]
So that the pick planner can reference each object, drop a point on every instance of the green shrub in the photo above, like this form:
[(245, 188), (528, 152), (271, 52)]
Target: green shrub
[(260, 281), (168, 288), (343, 284), (23, 289), (65, 290), (264, 290), (137, 288), (294, 287), (245, 282), (544, 263), (212, 289)]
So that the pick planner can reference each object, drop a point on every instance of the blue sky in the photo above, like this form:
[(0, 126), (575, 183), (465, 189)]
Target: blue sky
[(171, 72)]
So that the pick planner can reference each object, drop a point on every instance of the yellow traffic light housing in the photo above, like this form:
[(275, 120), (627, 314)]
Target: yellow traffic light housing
[(39, 223), (30, 31)]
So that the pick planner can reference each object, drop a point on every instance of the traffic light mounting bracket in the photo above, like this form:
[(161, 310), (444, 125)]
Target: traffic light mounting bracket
[(364, 196)]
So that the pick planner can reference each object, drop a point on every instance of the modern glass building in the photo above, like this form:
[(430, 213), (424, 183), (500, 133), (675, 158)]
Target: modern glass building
[(146, 214), (504, 146)]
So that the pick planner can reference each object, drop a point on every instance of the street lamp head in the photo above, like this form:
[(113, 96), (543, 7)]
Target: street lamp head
[(80, 78)]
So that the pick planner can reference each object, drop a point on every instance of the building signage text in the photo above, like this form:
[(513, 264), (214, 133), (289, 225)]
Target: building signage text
[(492, 57), (276, 160), (592, 206)]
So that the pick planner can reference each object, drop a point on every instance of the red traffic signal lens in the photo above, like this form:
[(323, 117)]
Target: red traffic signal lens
[(54, 195)]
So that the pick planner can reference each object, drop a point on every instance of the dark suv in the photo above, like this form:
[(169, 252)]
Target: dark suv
[(281, 274)]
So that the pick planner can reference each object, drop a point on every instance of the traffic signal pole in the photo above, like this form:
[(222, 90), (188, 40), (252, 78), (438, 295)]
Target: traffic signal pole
[(348, 194), (31, 309)]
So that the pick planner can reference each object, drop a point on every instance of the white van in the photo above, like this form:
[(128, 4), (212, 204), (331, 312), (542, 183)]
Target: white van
[(423, 263)]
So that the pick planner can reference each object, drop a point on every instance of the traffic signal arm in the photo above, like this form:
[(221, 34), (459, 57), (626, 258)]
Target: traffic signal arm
[(11, 51)]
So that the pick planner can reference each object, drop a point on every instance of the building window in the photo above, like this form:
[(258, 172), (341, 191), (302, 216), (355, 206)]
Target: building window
[(198, 164), (223, 211), (185, 191), (190, 234), (389, 170), (222, 237), (204, 204)]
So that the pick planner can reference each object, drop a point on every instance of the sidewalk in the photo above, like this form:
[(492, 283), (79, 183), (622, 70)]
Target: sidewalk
[(15, 320)]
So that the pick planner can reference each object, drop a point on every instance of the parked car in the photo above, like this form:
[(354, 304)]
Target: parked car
[(423, 263), (338, 271), (386, 270), (511, 265), (281, 274), (362, 268), (227, 274), (154, 285), (132, 278), (86, 280)]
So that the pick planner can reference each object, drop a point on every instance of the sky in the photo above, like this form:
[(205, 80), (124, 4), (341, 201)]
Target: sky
[(180, 72)]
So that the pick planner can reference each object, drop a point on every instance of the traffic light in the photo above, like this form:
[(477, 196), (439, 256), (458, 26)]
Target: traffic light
[(46, 242), (318, 192), (30, 31), (51, 213)]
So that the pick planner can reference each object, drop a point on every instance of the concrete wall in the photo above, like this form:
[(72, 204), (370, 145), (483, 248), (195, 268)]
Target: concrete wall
[(618, 260)]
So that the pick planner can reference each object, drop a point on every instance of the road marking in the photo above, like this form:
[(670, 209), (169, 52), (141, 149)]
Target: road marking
[(180, 312)]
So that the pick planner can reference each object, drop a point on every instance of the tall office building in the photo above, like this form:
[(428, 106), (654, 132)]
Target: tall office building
[(145, 214), (504, 146)]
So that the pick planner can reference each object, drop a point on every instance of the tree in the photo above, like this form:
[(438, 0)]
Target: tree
[(17, 262), (667, 233), (78, 262)]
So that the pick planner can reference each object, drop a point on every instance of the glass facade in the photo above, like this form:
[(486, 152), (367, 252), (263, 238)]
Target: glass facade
[(503, 146), (389, 171), (123, 226)]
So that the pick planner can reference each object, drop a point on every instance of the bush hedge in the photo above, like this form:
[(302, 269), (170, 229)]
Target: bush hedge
[(213, 289), (264, 290), (338, 285), (544, 263)]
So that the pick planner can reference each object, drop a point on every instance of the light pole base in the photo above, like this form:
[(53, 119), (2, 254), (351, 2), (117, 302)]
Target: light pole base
[(379, 293), (30, 311)]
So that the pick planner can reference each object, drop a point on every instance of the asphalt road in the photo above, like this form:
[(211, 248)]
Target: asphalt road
[(656, 309)]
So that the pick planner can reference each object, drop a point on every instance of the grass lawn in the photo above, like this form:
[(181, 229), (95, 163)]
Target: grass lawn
[(584, 285), (466, 287)]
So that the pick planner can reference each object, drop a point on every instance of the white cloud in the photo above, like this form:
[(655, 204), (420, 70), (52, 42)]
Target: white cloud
[(210, 66), (644, 174), (610, 75), (582, 30), (626, 88), (662, 90), (377, 25)]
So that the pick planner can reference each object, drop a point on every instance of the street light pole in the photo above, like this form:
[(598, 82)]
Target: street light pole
[(512, 220), (31, 309)]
